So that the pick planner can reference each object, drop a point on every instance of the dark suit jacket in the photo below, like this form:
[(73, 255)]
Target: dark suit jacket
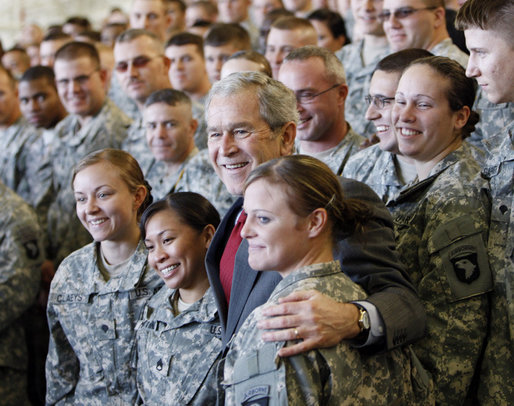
[(369, 258)]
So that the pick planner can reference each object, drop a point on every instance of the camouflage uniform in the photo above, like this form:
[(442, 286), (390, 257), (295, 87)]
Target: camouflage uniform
[(441, 225), (124, 103), (447, 48), (106, 129), (201, 178), (496, 382), (23, 166), (15, 141), (92, 329), (157, 176), (358, 78), (136, 145), (493, 118), (378, 169), (21, 258), (339, 375), (198, 110), (339, 155), (177, 355)]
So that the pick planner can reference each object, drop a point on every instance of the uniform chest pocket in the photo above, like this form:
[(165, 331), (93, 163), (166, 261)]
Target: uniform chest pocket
[(461, 258)]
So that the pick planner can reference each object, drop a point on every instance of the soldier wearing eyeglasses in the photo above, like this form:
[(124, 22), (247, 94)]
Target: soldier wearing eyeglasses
[(419, 24), (382, 167), (317, 78), (94, 122)]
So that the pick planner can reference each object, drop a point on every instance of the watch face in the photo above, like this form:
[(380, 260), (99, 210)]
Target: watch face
[(364, 319)]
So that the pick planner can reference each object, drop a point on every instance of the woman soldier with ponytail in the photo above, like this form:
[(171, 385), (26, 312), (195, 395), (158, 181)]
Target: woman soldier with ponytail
[(99, 291)]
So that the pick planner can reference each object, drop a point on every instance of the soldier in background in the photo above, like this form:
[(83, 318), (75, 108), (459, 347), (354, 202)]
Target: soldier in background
[(22, 253), (170, 129), (141, 69), (489, 36), (94, 122), (317, 78)]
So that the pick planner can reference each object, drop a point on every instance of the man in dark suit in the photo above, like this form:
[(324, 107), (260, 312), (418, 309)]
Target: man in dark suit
[(251, 119)]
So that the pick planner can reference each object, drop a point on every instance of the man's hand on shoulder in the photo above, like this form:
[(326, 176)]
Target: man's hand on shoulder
[(312, 318)]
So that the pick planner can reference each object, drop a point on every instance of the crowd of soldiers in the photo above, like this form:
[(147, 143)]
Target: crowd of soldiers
[(409, 102)]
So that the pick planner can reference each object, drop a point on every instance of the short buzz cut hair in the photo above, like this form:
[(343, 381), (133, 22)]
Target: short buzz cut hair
[(39, 72), (277, 103), (494, 15), (292, 23), (133, 33), (256, 57), (397, 62), (171, 97), (75, 49), (186, 38), (228, 33), (334, 70)]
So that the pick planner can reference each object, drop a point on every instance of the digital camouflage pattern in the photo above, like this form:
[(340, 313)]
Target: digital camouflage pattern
[(494, 118), (161, 182), (177, 355), (441, 227), (21, 256), (496, 382), (339, 375), (447, 48), (200, 177), (136, 145), (378, 169), (339, 155), (15, 143), (124, 103), (107, 129), (198, 111), (358, 78), (92, 329)]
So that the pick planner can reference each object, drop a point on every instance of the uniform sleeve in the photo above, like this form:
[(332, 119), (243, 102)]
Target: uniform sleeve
[(370, 259), (62, 365), (454, 288), (21, 256)]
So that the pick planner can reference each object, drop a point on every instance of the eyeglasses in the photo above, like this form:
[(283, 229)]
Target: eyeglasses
[(378, 101), (80, 80), (137, 62), (307, 97), (401, 13)]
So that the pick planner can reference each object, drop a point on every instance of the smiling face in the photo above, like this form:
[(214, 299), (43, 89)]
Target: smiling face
[(104, 203), (169, 131), (40, 103), (80, 84), (324, 113), (490, 63), (365, 13), (414, 31), (139, 82), (269, 220), (176, 250), (383, 84), (239, 139), (426, 127)]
